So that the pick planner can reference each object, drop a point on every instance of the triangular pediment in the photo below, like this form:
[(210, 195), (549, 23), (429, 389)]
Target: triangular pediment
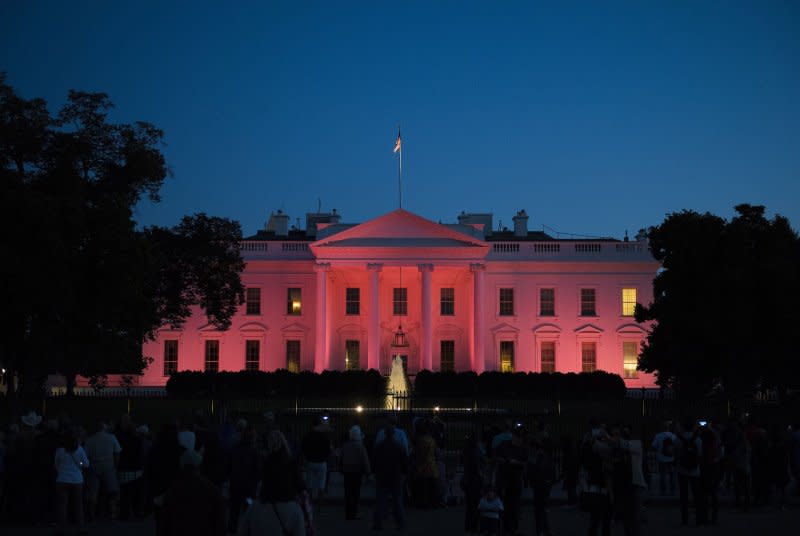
[(631, 328), (504, 327), (588, 328), (399, 228)]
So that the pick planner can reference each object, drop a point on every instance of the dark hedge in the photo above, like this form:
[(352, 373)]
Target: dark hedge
[(532, 385), (281, 383)]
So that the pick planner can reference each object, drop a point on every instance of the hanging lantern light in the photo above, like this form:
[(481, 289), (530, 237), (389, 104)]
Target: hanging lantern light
[(400, 340)]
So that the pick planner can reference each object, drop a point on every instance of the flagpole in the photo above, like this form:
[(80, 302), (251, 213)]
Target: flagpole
[(400, 170)]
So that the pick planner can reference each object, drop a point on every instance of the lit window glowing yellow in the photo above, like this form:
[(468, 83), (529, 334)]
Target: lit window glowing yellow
[(628, 301), (630, 359)]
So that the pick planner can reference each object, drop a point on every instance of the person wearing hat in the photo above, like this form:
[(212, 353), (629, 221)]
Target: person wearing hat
[(355, 465), (193, 505)]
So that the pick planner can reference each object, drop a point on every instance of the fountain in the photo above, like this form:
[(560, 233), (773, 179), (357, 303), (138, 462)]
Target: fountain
[(398, 383)]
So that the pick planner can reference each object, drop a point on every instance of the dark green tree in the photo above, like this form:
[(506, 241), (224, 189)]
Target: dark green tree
[(83, 287), (724, 303)]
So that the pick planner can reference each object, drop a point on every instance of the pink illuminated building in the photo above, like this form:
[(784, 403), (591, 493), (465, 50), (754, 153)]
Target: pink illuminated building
[(330, 297)]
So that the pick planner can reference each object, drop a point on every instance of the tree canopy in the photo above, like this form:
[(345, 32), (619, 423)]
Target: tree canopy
[(82, 286), (725, 303)]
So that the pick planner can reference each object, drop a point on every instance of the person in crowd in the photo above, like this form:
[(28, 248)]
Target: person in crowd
[(490, 508), (162, 469), (399, 434), (542, 475), (317, 450), (778, 459), (426, 471), (193, 505), (634, 507), (186, 436), (390, 466), (688, 452), (512, 458), (70, 462), (711, 462), (207, 441), (130, 470), (45, 446), (473, 460), (664, 446), (738, 450), (3, 451), (245, 472), (794, 452), (759, 463), (21, 464), (570, 467), (277, 510), (103, 450), (355, 466), (596, 498)]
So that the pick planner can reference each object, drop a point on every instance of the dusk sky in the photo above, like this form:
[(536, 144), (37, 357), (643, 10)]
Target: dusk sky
[(595, 117)]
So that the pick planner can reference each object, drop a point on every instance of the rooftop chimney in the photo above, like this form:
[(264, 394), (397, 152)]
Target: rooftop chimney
[(279, 223), (521, 224)]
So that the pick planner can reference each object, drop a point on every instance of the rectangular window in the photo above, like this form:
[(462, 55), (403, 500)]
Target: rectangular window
[(252, 349), (293, 356), (212, 356), (253, 300), (400, 301), (588, 302), (352, 358), (170, 357), (447, 356), (548, 351), (447, 302), (628, 301), (630, 360), (294, 304), (352, 301), (506, 302), (588, 356), (506, 356), (547, 302)]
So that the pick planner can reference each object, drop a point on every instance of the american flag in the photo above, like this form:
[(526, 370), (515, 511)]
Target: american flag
[(397, 143)]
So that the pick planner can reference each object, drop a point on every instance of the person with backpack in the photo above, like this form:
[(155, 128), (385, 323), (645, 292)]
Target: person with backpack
[(688, 452), (664, 447)]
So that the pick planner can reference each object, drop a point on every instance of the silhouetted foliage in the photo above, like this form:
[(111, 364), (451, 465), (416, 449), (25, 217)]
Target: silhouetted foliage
[(81, 286), (281, 383), (725, 306), (531, 385)]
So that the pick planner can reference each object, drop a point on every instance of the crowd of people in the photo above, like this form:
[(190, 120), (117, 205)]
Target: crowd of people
[(256, 478)]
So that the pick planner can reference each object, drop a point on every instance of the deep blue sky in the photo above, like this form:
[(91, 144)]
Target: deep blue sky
[(595, 117)]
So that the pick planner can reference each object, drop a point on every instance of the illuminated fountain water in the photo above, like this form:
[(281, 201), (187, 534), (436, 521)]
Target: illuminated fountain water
[(398, 383)]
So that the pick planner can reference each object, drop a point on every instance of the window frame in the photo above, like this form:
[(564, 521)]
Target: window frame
[(542, 343), (248, 361), (447, 305), (399, 301), (253, 305), (348, 343), (585, 312), (509, 344), (169, 344), (542, 312), (501, 302), (628, 374), (290, 311), (583, 346), (451, 358), (208, 344), (624, 302), (299, 355), (352, 306)]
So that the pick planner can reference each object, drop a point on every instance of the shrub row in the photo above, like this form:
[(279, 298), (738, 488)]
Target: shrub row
[(530, 385), (281, 383)]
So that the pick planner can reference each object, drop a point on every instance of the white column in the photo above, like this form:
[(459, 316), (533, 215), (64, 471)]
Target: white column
[(426, 347), (478, 276), (374, 325), (321, 335)]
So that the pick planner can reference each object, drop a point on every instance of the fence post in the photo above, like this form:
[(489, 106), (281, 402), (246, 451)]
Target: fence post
[(129, 406)]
